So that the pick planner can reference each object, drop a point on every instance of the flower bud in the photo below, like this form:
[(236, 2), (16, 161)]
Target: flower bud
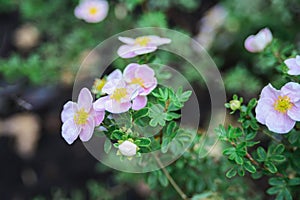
[(128, 148), (235, 104)]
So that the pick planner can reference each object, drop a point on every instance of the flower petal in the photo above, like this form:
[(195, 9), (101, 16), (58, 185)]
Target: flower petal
[(87, 130), (139, 102), (129, 71), (99, 104), (156, 40), (116, 107), (294, 68), (143, 50), (292, 90), (98, 117), (85, 99), (68, 111), (279, 122), (263, 108), (294, 112), (250, 44), (70, 131), (126, 51), (127, 40), (270, 92), (116, 74)]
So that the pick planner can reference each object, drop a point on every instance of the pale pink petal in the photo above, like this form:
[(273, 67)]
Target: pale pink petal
[(270, 92), (139, 102), (268, 35), (70, 131), (144, 50), (99, 104), (116, 74), (147, 75), (263, 108), (78, 12), (87, 130), (116, 107), (126, 51), (127, 40), (298, 60), (85, 99), (113, 84), (156, 40), (146, 91), (294, 112), (68, 111), (279, 122), (294, 68), (98, 117), (292, 90), (250, 44), (129, 71)]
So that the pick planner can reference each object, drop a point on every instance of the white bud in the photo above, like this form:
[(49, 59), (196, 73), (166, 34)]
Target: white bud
[(128, 148)]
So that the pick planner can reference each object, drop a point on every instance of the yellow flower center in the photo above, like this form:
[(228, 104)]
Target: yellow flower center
[(142, 41), (138, 81), (118, 94), (93, 10), (98, 84), (81, 117), (283, 104)]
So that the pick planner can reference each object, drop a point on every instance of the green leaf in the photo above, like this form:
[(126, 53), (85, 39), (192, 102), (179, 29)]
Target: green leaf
[(157, 115), (172, 115), (107, 145), (171, 129), (277, 158), (279, 149), (231, 173), (117, 135), (152, 180), (273, 190), (203, 196), (140, 113), (276, 181), (163, 180), (184, 96), (250, 136), (294, 181), (165, 144), (271, 167), (261, 154), (249, 167), (143, 142), (287, 195), (241, 171), (239, 160)]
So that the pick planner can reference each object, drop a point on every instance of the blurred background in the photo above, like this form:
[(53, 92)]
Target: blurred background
[(42, 45)]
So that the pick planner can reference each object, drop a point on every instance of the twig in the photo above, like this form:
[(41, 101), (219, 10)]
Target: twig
[(171, 180)]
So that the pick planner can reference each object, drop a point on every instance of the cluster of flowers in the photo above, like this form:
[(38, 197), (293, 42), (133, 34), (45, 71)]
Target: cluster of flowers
[(277, 109), (119, 92)]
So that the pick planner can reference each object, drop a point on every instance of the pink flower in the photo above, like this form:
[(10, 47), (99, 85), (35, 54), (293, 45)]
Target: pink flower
[(258, 42), (142, 76), (140, 45), (279, 109), (92, 11), (119, 96), (80, 119), (294, 65)]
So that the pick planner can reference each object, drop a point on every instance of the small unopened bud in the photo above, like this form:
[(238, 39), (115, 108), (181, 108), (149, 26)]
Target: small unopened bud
[(128, 148), (235, 104)]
